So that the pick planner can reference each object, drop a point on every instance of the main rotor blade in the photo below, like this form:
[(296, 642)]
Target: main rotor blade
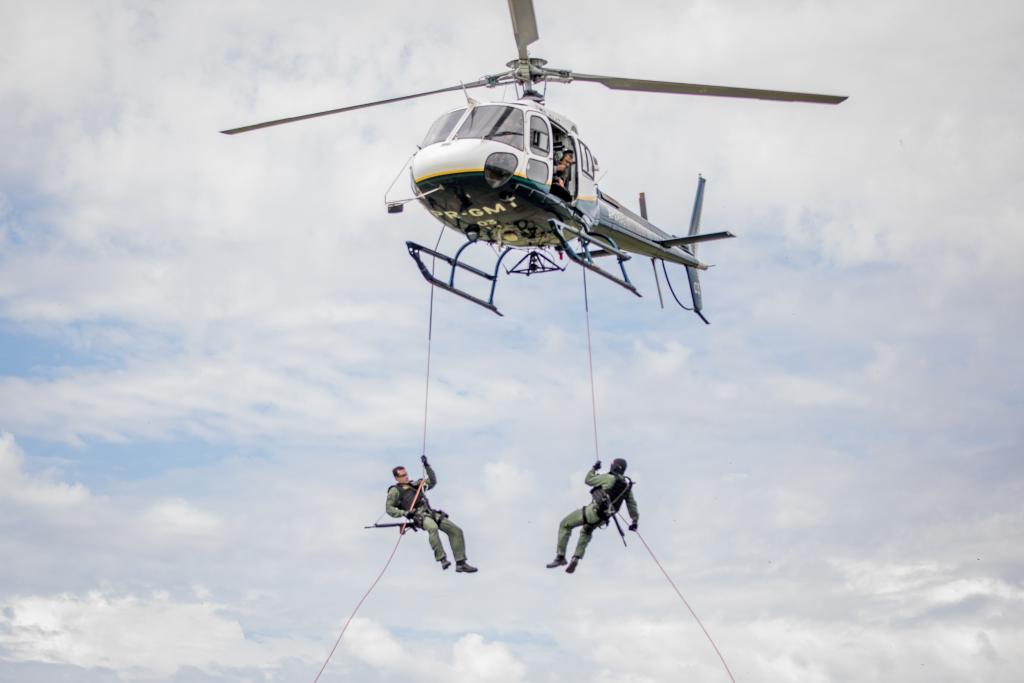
[(292, 119), (616, 83), (524, 24)]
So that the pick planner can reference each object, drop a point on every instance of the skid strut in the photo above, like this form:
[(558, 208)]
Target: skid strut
[(416, 249), (585, 257)]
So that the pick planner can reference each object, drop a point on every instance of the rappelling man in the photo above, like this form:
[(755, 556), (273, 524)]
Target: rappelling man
[(608, 491), (406, 499)]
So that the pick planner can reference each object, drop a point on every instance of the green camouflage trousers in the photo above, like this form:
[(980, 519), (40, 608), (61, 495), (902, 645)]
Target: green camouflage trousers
[(455, 538), (585, 517)]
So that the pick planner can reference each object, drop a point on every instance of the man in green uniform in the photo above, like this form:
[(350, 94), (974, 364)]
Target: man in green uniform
[(608, 491), (403, 501)]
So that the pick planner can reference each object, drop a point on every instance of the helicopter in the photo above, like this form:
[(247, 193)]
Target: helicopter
[(517, 176)]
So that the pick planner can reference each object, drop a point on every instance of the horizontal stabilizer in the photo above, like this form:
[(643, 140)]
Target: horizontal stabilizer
[(693, 239)]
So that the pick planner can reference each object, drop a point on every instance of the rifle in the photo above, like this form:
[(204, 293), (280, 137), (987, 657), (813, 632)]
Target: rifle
[(618, 526), (394, 524)]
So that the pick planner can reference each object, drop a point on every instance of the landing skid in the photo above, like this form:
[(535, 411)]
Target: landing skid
[(534, 262), (585, 257), (416, 249)]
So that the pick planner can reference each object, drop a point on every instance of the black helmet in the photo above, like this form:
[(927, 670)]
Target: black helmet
[(618, 466)]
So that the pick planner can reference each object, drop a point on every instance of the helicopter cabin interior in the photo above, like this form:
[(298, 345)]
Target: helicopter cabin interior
[(579, 176), (563, 185)]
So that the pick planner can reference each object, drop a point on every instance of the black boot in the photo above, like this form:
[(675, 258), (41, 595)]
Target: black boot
[(572, 565), (445, 563), (463, 566), (559, 561)]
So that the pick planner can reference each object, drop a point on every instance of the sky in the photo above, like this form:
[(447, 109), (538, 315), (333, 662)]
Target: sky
[(213, 350)]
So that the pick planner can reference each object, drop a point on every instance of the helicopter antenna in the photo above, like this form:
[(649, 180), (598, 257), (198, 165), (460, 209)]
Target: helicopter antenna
[(470, 102)]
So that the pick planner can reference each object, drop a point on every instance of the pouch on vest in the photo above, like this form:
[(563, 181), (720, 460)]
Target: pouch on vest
[(608, 502), (407, 494)]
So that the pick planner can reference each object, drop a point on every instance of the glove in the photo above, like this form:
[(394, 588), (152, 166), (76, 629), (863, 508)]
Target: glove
[(632, 527), (597, 465), (411, 514), (423, 459)]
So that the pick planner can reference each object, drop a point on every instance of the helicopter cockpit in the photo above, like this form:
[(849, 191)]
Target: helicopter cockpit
[(443, 127), (502, 140), (500, 123)]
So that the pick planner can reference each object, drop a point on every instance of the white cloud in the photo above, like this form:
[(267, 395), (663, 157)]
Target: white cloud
[(820, 652), (38, 490), (176, 517), (374, 644), (474, 659), (505, 482), (806, 391), (927, 584), (137, 636)]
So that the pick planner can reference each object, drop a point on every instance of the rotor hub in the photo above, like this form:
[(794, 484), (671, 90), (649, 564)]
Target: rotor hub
[(527, 71)]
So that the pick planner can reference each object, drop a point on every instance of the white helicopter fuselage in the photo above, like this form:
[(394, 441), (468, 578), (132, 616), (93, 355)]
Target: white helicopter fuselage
[(488, 171)]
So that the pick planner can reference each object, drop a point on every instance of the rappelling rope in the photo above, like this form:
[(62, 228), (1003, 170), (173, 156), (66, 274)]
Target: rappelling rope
[(401, 535), (680, 594), (430, 337), (358, 605), (593, 405), (590, 361), (419, 489)]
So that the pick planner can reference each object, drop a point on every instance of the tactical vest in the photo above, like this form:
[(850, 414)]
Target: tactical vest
[(407, 493), (609, 501)]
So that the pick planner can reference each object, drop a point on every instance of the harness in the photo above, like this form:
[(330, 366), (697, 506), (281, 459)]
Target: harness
[(405, 495), (608, 501)]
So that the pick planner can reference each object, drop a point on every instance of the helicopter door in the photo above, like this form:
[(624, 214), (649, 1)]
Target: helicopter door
[(538, 167), (587, 168), (562, 142)]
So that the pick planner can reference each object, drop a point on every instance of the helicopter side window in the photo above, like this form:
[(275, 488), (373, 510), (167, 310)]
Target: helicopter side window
[(540, 138), (442, 128), (502, 124), (537, 170), (585, 161)]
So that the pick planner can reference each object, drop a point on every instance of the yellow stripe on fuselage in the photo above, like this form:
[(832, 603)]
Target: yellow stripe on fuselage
[(452, 172), (457, 172)]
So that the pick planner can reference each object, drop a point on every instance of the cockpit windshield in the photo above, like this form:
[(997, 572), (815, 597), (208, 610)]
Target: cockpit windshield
[(442, 127), (494, 122)]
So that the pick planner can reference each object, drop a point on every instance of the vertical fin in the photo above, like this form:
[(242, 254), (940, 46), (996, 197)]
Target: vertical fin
[(698, 207), (692, 274)]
